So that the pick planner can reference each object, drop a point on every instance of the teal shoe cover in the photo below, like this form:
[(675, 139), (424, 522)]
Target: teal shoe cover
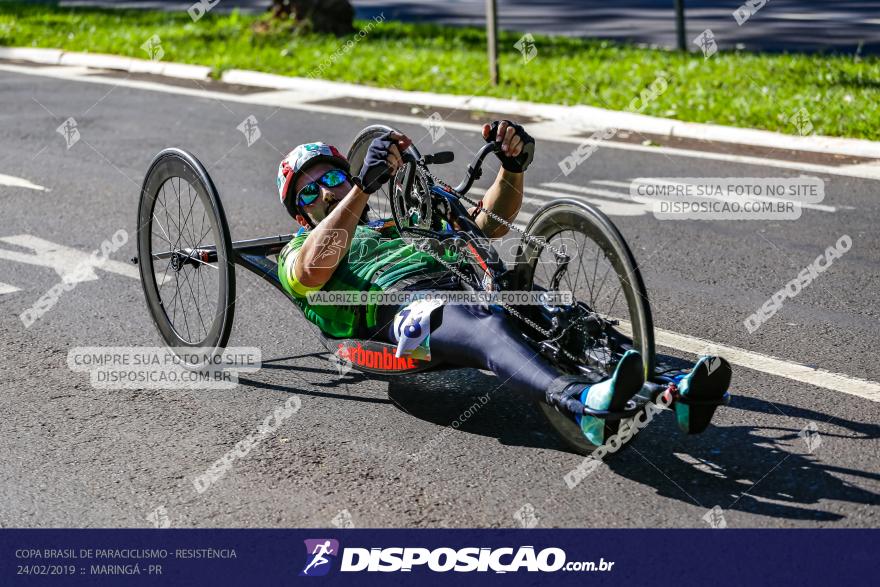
[(708, 380), (611, 394)]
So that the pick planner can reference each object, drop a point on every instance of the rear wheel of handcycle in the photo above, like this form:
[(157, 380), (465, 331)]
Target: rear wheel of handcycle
[(605, 282), (185, 258)]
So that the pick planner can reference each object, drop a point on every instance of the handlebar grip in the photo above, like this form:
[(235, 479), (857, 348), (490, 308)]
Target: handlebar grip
[(375, 177), (572, 405), (526, 156), (441, 158)]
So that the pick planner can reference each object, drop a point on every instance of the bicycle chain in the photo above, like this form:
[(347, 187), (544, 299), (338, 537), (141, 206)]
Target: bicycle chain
[(510, 225), (526, 235)]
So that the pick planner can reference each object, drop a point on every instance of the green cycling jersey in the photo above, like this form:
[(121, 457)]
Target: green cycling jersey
[(378, 260)]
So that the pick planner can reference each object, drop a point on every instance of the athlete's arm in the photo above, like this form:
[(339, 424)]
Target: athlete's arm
[(505, 196), (330, 240)]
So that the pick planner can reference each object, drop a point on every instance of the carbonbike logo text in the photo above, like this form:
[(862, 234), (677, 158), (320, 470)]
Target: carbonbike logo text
[(796, 285), (463, 560), (586, 149), (627, 430)]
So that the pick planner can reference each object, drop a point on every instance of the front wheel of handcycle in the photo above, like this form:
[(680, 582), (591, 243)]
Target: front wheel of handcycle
[(185, 258), (577, 248)]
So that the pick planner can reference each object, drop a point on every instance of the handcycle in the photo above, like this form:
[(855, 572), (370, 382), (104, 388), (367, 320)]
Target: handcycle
[(187, 260)]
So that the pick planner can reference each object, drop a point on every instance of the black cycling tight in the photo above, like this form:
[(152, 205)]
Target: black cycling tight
[(481, 338)]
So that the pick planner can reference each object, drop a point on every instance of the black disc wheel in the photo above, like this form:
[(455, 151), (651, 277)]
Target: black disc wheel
[(185, 258)]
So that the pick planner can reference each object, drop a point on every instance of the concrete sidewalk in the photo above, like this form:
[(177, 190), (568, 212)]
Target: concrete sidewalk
[(574, 124)]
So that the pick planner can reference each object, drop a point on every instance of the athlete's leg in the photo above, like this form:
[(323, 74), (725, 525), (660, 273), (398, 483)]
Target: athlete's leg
[(484, 338), (481, 338), (475, 336)]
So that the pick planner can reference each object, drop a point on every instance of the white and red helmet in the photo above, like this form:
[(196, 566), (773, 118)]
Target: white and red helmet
[(297, 161)]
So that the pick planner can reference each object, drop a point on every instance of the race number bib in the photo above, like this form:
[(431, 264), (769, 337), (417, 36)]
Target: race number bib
[(412, 327)]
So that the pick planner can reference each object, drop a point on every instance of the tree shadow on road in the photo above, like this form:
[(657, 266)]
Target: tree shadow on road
[(758, 469), (324, 376), (765, 470), (472, 402)]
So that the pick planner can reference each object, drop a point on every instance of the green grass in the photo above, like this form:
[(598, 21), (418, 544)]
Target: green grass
[(841, 93)]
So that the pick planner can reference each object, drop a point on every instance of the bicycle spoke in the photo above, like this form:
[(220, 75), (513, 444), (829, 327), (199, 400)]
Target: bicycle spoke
[(593, 281), (176, 301), (192, 203), (200, 262), (568, 278), (165, 272), (168, 220), (195, 301), (204, 289), (614, 301), (160, 236), (200, 281), (605, 277), (185, 231), (580, 263)]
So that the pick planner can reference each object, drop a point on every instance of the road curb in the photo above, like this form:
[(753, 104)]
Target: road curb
[(577, 120), (103, 61)]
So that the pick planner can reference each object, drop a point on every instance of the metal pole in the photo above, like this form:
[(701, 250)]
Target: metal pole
[(492, 40), (679, 25)]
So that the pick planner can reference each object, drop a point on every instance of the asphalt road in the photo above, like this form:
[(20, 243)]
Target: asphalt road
[(78, 456), (782, 25)]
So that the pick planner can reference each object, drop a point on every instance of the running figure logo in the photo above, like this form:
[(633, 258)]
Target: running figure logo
[(318, 551)]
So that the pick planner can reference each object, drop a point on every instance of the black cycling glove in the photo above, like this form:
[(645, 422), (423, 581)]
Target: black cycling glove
[(375, 171), (521, 162)]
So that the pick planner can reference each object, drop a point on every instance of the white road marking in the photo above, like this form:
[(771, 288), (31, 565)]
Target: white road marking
[(824, 16), (20, 182), (612, 184), (579, 189), (615, 206), (5, 288), (292, 101), (771, 365), (64, 260), (611, 203)]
